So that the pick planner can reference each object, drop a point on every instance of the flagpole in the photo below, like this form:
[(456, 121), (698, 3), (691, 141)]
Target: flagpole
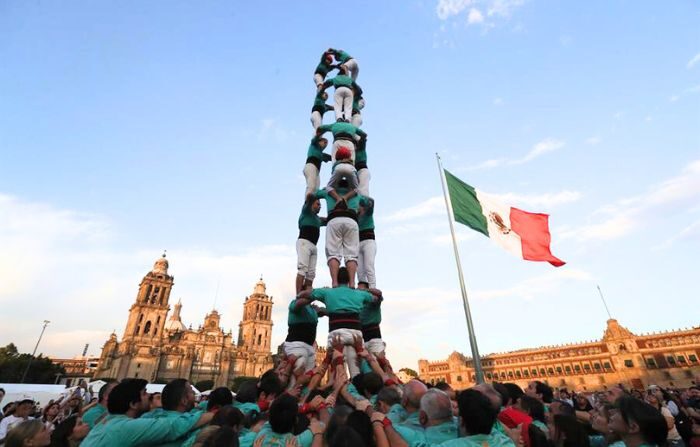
[(478, 371)]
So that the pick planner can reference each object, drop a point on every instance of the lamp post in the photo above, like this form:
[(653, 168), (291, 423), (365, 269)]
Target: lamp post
[(24, 376)]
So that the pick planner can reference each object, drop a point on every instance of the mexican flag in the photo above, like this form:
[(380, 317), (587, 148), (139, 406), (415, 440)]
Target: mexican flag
[(524, 234)]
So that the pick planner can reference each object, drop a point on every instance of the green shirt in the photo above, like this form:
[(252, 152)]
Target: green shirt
[(353, 202), (188, 439), (341, 81), (342, 56), (371, 314), (307, 217), (93, 414), (246, 407), (342, 299), (247, 439), (120, 430), (396, 413), (315, 150), (491, 440), (365, 221), (304, 314), (412, 421), (432, 435), (273, 439), (342, 128)]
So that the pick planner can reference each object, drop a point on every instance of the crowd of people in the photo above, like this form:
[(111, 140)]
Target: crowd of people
[(328, 407)]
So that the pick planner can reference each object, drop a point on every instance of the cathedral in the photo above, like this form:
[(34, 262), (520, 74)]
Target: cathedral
[(159, 349)]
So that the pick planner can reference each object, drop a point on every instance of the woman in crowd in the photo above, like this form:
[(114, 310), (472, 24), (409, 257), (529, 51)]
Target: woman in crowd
[(638, 423), (31, 433), (599, 421), (567, 431), (50, 415), (69, 433), (673, 437)]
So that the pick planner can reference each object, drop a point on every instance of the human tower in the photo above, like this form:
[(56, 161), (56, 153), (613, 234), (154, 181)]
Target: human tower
[(352, 304)]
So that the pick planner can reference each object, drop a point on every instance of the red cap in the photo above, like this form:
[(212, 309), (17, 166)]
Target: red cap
[(343, 153)]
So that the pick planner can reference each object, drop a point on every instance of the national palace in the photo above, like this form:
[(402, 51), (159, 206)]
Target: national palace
[(666, 359)]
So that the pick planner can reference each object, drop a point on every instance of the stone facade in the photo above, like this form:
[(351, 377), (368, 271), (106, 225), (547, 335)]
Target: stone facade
[(666, 359), (159, 349)]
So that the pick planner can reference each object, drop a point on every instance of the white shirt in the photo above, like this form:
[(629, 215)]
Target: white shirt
[(7, 423)]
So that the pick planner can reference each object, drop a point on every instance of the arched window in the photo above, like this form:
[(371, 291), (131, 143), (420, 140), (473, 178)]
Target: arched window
[(147, 328), (259, 339)]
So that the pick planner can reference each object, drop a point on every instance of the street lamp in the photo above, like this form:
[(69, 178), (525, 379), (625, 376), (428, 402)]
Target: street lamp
[(24, 376)]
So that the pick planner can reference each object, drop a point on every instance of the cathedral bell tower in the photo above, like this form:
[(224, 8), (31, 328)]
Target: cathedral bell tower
[(147, 315), (255, 329)]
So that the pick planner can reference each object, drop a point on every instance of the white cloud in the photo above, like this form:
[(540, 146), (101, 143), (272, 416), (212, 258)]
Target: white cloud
[(627, 214), (543, 147), (674, 98), (688, 232), (72, 268), (502, 9), (475, 16), (531, 288), (541, 201), (593, 141), (694, 60), (449, 8), (498, 101), (430, 207), (270, 130)]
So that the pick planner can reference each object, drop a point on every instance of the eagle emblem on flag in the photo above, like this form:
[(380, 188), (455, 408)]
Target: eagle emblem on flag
[(498, 220)]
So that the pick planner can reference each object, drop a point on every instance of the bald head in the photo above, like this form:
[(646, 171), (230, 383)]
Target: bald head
[(437, 406), (413, 391), (489, 391)]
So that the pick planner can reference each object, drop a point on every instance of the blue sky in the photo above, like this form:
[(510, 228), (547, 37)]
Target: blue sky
[(127, 128)]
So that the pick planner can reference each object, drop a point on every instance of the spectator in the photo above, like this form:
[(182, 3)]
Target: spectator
[(98, 412), (638, 423), (70, 432), (21, 414), (673, 437), (566, 431), (32, 433)]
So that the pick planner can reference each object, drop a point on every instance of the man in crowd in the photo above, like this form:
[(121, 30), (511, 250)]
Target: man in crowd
[(307, 254), (23, 409), (99, 411), (344, 135), (123, 426), (435, 416), (540, 391), (343, 304), (302, 321), (314, 157), (342, 232), (345, 88)]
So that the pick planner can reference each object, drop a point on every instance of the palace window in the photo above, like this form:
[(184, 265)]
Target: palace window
[(629, 364), (550, 371), (533, 372), (606, 365), (543, 372), (692, 358), (681, 359), (489, 376), (651, 363), (586, 367), (567, 368), (517, 374), (596, 366), (671, 360), (559, 370), (577, 368), (459, 378), (526, 373), (510, 374)]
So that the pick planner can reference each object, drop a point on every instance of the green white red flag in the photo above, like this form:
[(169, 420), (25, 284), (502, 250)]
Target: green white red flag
[(522, 233)]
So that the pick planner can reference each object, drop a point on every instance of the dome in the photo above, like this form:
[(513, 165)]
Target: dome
[(174, 326), (260, 287), (161, 265)]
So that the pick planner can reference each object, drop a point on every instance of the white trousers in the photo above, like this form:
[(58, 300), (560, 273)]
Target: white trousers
[(337, 144), (305, 354), (316, 120), (375, 346), (353, 68), (343, 103), (342, 239), (365, 262), (363, 178), (356, 120), (346, 337), (313, 182), (318, 79), (344, 170), (306, 259)]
